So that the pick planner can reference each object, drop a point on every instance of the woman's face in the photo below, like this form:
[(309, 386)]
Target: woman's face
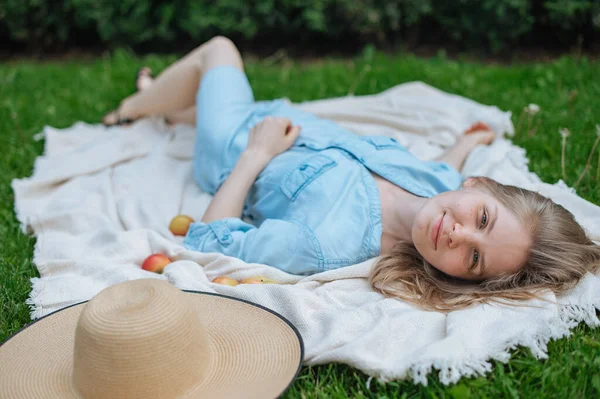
[(478, 237)]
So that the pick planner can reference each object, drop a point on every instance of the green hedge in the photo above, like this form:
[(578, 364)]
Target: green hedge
[(491, 25)]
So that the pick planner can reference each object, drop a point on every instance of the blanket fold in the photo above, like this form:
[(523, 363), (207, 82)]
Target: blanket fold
[(100, 201)]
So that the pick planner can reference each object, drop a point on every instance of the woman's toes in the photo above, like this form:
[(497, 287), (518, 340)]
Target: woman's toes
[(116, 118), (112, 118), (144, 78), (144, 82)]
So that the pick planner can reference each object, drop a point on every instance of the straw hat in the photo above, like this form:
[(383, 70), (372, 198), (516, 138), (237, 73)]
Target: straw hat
[(148, 339)]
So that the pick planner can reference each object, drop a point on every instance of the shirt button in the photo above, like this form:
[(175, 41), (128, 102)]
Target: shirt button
[(226, 236), (303, 167)]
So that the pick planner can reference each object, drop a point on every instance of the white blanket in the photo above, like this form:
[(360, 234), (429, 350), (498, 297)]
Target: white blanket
[(100, 201)]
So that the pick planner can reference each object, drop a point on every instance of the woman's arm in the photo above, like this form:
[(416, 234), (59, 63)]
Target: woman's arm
[(229, 199), (456, 155), (266, 140)]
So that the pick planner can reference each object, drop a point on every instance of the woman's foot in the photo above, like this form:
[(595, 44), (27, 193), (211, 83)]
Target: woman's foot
[(114, 118), (143, 80), (118, 118)]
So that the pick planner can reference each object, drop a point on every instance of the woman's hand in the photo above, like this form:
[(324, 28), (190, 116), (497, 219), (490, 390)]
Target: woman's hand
[(479, 133), (272, 136)]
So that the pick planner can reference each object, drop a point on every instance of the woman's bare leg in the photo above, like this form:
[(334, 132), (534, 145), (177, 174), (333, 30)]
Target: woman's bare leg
[(187, 116), (174, 90)]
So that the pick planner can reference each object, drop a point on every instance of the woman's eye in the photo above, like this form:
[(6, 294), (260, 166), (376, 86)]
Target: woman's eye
[(475, 258), (483, 219)]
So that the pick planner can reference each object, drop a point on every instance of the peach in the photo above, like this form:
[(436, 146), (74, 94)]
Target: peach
[(258, 280), (180, 224), (156, 263), (225, 281)]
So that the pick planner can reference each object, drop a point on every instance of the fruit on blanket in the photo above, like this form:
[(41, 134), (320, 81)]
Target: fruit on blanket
[(225, 281), (258, 280), (156, 263), (180, 224)]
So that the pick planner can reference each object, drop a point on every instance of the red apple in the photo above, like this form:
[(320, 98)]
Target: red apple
[(225, 281), (156, 263), (258, 280), (180, 224)]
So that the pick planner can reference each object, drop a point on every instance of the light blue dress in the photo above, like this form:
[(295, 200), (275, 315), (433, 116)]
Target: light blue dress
[(314, 207)]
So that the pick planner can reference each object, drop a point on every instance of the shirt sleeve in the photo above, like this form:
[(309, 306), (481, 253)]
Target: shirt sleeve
[(287, 245)]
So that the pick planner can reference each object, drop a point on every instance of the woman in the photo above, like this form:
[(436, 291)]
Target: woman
[(319, 197)]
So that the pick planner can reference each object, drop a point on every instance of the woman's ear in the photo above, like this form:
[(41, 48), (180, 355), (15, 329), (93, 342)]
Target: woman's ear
[(474, 181), (469, 182)]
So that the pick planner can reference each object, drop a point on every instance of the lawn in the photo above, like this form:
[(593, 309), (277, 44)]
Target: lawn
[(59, 93)]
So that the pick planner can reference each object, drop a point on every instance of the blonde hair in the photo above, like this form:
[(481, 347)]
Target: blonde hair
[(560, 255)]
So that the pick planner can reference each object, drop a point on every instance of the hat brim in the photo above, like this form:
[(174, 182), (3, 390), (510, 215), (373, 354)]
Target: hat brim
[(259, 352)]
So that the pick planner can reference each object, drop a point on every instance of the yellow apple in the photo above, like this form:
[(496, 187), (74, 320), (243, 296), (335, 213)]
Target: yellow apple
[(225, 281), (180, 224), (258, 280), (156, 263)]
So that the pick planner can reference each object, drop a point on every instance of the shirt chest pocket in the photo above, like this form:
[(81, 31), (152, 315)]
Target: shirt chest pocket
[(382, 142), (308, 171)]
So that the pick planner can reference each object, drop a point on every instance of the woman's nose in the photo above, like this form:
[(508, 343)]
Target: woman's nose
[(458, 235)]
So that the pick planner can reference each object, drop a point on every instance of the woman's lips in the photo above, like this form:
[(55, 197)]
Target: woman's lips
[(435, 231)]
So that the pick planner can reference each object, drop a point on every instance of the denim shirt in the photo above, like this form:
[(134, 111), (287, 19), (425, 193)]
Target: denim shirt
[(316, 207)]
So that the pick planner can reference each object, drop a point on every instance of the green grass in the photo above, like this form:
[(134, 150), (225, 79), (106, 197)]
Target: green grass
[(60, 93)]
